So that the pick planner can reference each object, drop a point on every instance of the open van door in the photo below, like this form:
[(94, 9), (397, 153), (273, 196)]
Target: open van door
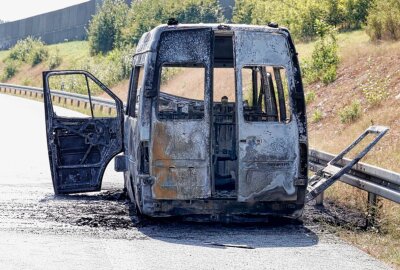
[(81, 138)]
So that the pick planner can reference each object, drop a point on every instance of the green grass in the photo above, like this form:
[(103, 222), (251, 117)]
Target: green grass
[(70, 52), (3, 55)]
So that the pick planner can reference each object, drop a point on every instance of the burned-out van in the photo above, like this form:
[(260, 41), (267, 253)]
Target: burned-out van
[(225, 138)]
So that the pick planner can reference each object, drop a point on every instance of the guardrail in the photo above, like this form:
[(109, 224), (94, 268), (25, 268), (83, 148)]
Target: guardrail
[(104, 105), (376, 181)]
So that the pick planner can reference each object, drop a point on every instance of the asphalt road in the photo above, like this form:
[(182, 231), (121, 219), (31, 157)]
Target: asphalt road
[(100, 230)]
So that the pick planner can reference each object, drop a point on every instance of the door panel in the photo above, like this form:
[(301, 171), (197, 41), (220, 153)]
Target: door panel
[(80, 144), (268, 145), (180, 144)]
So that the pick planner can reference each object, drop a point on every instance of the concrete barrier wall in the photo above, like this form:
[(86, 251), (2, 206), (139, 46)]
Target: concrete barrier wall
[(65, 24)]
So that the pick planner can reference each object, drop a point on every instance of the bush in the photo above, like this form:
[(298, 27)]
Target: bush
[(147, 14), (110, 68), (55, 60), (10, 70), (105, 28), (375, 90), (29, 50), (317, 116), (109, 28), (300, 16), (350, 113), (324, 59), (38, 55), (310, 97), (384, 20)]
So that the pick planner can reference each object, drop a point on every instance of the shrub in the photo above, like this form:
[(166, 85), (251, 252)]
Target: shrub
[(38, 55), (317, 116), (350, 113), (54, 60), (105, 28), (29, 50), (324, 59), (109, 68), (146, 14), (384, 20), (10, 70), (310, 97), (168, 73), (376, 90), (300, 16)]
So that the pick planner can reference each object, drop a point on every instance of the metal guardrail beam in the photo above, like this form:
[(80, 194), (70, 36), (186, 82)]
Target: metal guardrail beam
[(61, 94), (370, 178)]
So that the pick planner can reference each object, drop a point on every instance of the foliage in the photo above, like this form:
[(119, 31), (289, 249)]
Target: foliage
[(300, 16), (29, 50), (54, 60), (384, 20), (109, 68), (9, 71), (375, 90), (310, 97), (105, 28), (350, 113), (145, 15), (168, 73), (317, 116), (325, 59)]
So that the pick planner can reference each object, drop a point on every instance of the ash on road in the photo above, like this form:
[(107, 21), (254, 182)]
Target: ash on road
[(101, 231)]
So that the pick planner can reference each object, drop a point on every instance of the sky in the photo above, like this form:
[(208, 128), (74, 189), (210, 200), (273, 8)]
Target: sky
[(11, 10)]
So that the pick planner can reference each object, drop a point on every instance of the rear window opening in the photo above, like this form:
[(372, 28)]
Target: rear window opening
[(265, 94), (183, 96)]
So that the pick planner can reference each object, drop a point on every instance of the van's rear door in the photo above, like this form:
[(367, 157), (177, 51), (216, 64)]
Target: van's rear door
[(268, 148), (180, 142), (83, 136)]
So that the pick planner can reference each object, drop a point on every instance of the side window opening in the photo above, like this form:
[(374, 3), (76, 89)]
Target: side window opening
[(265, 94), (134, 91), (87, 107), (181, 94)]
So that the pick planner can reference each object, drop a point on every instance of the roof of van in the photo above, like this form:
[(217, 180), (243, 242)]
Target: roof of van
[(150, 39)]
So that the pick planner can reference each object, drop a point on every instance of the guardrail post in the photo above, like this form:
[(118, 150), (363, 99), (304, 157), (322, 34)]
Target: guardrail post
[(372, 208), (320, 199)]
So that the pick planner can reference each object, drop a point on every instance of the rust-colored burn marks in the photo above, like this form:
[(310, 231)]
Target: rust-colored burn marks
[(161, 139), (179, 161)]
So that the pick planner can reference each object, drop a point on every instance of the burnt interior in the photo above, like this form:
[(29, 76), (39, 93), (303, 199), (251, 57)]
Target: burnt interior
[(264, 102), (224, 156)]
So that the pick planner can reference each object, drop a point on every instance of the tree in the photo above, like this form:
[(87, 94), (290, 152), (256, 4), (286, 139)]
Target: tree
[(105, 28)]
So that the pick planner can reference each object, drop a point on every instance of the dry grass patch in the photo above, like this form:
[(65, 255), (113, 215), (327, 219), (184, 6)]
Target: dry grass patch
[(375, 67)]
